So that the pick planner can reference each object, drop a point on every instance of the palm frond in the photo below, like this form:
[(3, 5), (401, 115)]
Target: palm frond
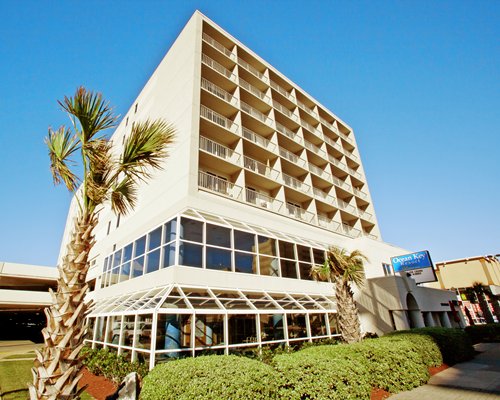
[(124, 195), (92, 112), (348, 266), (62, 144), (146, 147), (321, 272)]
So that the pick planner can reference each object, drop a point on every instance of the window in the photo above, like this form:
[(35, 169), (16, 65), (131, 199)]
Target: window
[(136, 105), (387, 269)]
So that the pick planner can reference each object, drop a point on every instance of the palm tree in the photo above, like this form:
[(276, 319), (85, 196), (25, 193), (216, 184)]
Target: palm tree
[(480, 292), (344, 269), (106, 179)]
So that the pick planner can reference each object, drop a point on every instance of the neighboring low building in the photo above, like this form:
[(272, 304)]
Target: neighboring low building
[(23, 296), (473, 279)]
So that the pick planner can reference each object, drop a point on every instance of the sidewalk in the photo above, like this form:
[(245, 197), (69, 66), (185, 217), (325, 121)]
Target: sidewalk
[(478, 379)]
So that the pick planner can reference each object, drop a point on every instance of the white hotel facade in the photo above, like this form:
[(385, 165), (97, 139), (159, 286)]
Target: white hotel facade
[(261, 180)]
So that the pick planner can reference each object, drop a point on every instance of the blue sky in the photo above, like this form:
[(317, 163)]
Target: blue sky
[(418, 81)]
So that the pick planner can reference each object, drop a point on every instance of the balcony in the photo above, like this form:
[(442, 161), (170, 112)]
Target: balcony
[(263, 201), (341, 184), (295, 183), (259, 140), (218, 185), (329, 125), (353, 172), (292, 157), (344, 136), (218, 67), (219, 150), (325, 197), (288, 133), (218, 119), (255, 91), (319, 172), (260, 168), (370, 235), (314, 149), (337, 163), (214, 43), (365, 215), (254, 71), (346, 206), (359, 193), (327, 223), (332, 143), (219, 92), (350, 154), (350, 231), (285, 111), (256, 113), (311, 129), (282, 91), (299, 213), (302, 106)]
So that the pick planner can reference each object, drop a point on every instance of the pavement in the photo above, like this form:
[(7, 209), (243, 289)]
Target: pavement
[(477, 379)]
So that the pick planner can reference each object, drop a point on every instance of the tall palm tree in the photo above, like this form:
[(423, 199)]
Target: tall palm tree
[(106, 179), (344, 269), (480, 292)]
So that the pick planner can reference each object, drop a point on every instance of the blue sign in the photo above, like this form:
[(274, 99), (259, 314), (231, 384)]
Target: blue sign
[(412, 261)]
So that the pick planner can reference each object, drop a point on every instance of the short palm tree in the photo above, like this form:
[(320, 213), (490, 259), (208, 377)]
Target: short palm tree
[(344, 269), (106, 179)]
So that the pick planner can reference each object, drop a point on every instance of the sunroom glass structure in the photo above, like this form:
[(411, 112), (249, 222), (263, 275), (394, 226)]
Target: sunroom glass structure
[(176, 321)]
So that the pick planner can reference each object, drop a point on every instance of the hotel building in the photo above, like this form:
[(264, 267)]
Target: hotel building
[(261, 180)]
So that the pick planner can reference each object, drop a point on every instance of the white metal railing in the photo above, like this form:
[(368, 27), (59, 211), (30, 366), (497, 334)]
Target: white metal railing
[(343, 135), (306, 108), (324, 196), (318, 171), (315, 149), (257, 139), (328, 223), (328, 124), (263, 200), (350, 231), (299, 213), (337, 163), (332, 143), (295, 183), (281, 90), (218, 91), (254, 71), (217, 118), (346, 207), (218, 185), (217, 67), (255, 91), (292, 157), (350, 154), (359, 193), (255, 113), (365, 215), (287, 132), (309, 127), (219, 150), (260, 168), (218, 46), (353, 172), (370, 235), (284, 110), (340, 183)]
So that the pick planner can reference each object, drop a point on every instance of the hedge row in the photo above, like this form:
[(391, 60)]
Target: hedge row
[(394, 362), (484, 333)]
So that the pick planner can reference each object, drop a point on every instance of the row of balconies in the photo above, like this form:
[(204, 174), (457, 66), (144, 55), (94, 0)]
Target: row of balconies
[(228, 189), (282, 178), (265, 78), (254, 137)]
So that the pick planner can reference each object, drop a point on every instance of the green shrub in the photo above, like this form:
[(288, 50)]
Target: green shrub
[(425, 345), (454, 344), (316, 374), (483, 333), (211, 378), (111, 365)]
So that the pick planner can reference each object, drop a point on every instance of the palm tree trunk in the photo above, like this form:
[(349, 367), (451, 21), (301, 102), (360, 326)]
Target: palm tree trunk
[(484, 306), (57, 367), (349, 325)]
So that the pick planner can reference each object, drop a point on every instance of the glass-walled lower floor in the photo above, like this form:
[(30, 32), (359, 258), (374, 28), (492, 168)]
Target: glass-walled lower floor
[(173, 322)]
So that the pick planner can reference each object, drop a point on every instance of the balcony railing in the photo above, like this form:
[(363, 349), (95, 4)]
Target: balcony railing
[(218, 46), (263, 201), (259, 140), (365, 215), (292, 157), (328, 124), (344, 136), (285, 111), (318, 193), (311, 128), (255, 91), (319, 172), (219, 150), (254, 71), (337, 163), (314, 149), (260, 168), (350, 231), (326, 222), (350, 154), (340, 183), (346, 207), (219, 185), (359, 193), (332, 143), (295, 183), (218, 67), (287, 132), (218, 91), (282, 91), (256, 113), (306, 109), (218, 119), (299, 213), (370, 235), (353, 172)]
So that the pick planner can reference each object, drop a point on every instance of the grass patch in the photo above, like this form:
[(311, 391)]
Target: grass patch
[(14, 379), (24, 355)]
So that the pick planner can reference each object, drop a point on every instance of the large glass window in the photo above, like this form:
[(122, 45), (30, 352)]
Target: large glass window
[(101, 325), (144, 326), (169, 255), (209, 330), (267, 246), (271, 327), (127, 253), (318, 324), (128, 330), (154, 239), (218, 236), (244, 241), (125, 272), (117, 258), (174, 331), (245, 262), (137, 267), (305, 271), (304, 253), (170, 231), (296, 325), (190, 255), (287, 250), (288, 269), (153, 261), (319, 256), (218, 259), (140, 246), (269, 266), (242, 328), (191, 230), (332, 319)]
